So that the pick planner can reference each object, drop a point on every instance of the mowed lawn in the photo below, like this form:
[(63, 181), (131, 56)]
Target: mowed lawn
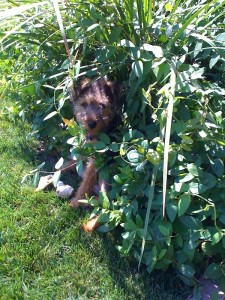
[(44, 254)]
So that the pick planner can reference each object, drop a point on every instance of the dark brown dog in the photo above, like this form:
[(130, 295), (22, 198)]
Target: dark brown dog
[(95, 105)]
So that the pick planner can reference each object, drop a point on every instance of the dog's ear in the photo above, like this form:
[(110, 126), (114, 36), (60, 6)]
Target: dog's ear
[(84, 83), (75, 89), (117, 90)]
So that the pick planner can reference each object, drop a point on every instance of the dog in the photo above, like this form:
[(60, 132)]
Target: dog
[(96, 106)]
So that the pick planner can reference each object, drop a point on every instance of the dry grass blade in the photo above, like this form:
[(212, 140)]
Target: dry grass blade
[(60, 22), (9, 13), (168, 129), (150, 198)]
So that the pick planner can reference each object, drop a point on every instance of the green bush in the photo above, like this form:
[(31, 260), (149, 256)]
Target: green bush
[(168, 178)]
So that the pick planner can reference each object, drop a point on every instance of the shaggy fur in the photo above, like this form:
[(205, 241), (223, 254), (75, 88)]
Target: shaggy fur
[(95, 105)]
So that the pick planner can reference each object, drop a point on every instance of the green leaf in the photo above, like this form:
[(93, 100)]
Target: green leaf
[(104, 200), (126, 43), (134, 156), (153, 156), (217, 167), (36, 178), (183, 204), (191, 222), (171, 210), (216, 237), (165, 228), (39, 167), (156, 50), (187, 270), (186, 178), (59, 163), (130, 225), (138, 68), (213, 271), (114, 147), (214, 60), (92, 27), (49, 116), (195, 188), (194, 170), (56, 178), (187, 139), (114, 35), (221, 37), (104, 138), (168, 7), (100, 146)]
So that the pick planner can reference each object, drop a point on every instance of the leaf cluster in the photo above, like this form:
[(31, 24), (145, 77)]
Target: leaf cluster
[(169, 152)]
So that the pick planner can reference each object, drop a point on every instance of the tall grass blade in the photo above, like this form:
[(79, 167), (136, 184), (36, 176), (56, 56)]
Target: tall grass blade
[(188, 22)]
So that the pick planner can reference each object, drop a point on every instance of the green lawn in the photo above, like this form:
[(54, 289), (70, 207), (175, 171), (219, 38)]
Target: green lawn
[(44, 254)]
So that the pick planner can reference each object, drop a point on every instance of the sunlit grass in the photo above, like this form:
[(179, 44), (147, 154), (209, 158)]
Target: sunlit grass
[(44, 254)]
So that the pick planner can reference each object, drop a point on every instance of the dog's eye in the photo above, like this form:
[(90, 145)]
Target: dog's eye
[(101, 105), (84, 105)]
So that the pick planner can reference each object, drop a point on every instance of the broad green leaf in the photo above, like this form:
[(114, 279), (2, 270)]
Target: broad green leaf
[(216, 237), (104, 138), (39, 167), (183, 204), (171, 210), (139, 221), (138, 68), (156, 50), (56, 178), (187, 270), (214, 60), (186, 178), (217, 167), (126, 43), (188, 252), (197, 74), (59, 163), (134, 157), (153, 156), (195, 188), (165, 228), (194, 170), (222, 218), (191, 222), (101, 146), (213, 271), (168, 7), (187, 139), (36, 179), (114, 35), (92, 27), (104, 200), (130, 225), (221, 37), (49, 116)]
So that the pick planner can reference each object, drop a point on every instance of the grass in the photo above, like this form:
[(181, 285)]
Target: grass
[(44, 254)]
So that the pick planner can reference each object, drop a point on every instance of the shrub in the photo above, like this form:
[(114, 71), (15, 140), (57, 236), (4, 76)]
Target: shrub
[(168, 178)]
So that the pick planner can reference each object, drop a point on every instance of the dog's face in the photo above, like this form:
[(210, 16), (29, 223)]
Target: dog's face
[(95, 105)]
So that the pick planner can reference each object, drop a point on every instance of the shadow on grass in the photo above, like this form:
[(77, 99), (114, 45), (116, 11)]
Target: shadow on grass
[(141, 285)]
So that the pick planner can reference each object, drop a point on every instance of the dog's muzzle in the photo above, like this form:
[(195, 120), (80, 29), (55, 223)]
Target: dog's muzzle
[(92, 124)]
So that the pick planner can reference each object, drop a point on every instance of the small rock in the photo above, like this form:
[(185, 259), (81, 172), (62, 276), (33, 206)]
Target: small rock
[(64, 190)]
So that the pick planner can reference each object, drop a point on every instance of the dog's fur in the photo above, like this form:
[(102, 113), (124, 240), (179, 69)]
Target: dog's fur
[(95, 106)]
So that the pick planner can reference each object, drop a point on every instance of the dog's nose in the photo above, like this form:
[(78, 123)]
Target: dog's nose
[(92, 124)]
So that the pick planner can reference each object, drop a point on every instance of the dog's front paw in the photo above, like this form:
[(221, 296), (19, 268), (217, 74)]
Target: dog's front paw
[(79, 202), (74, 203)]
